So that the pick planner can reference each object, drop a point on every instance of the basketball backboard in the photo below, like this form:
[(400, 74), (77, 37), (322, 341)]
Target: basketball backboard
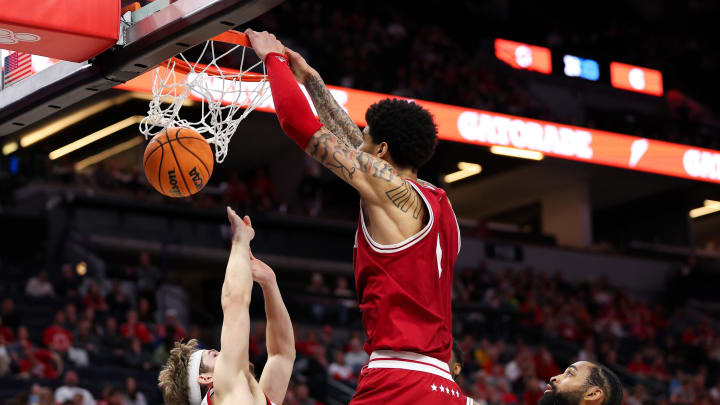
[(150, 35)]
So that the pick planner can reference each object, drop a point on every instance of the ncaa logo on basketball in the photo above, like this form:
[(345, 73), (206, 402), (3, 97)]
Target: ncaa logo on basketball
[(196, 178)]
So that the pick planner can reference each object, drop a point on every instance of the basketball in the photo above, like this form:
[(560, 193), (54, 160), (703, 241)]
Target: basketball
[(178, 162)]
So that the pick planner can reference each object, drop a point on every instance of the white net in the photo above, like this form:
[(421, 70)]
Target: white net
[(227, 96)]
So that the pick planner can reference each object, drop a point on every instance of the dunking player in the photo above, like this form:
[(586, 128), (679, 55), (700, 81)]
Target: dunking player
[(407, 239), (211, 377)]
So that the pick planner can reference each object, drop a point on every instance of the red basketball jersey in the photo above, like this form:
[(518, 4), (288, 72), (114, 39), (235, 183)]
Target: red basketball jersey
[(404, 288)]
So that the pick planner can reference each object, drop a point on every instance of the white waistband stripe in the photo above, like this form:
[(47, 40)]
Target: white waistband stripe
[(409, 361)]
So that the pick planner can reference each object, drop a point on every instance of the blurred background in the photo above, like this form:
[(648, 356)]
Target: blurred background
[(561, 260)]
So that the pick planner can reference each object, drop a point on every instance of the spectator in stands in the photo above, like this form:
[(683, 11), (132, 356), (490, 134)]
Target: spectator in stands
[(6, 332), (39, 286), (40, 395), (39, 363), (88, 314), (171, 325), (587, 353), (71, 316), (310, 188), (94, 298), (356, 357), (638, 366), (148, 278), (15, 348), (105, 393), (136, 356), (10, 317), (317, 287), (545, 364), (262, 190), (344, 305), (115, 397), (112, 338), (236, 191), (70, 389), (132, 396), (134, 328), (533, 391), (84, 337), (302, 396), (162, 351), (68, 283), (56, 336), (145, 313), (4, 357), (338, 370), (117, 302), (715, 391)]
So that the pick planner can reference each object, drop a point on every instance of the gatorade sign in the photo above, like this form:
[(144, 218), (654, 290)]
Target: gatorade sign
[(636, 78), (486, 128)]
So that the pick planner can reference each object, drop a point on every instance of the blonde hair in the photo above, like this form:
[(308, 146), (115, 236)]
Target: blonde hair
[(173, 378)]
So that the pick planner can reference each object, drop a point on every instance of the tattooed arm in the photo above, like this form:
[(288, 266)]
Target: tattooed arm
[(375, 179), (392, 204), (331, 114)]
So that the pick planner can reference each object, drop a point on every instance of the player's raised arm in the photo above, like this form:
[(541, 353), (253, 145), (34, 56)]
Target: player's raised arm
[(279, 333), (331, 114), (229, 379), (373, 177)]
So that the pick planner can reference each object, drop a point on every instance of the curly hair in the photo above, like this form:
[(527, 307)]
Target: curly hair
[(173, 378), (407, 128), (602, 377)]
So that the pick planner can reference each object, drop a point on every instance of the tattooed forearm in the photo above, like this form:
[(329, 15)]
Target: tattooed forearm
[(345, 161), (331, 114), (332, 154), (405, 198)]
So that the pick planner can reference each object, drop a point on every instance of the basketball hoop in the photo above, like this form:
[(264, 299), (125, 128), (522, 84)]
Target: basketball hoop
[(228, 95)]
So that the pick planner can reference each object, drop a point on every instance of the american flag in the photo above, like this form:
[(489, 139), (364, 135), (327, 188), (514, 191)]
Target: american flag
[(18, 66)]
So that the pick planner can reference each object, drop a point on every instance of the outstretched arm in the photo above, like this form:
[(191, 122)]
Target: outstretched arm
[(331, 114), (371, 176), (280, 340), (232, 363)]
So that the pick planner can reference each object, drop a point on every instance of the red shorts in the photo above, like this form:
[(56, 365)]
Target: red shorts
[(403, 378)]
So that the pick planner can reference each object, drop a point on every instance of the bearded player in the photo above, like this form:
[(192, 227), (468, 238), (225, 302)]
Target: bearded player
[(407, 240), (225, 377), (584, 383)]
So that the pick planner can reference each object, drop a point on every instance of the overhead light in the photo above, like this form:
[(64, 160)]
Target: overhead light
[(81, 268), (121, 147), (709, 207), (518, 153), (9, 148), (62, 123), (466, 170), (82, 142)]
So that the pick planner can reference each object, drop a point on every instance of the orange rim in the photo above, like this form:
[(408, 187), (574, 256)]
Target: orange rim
[(233, 37), (229, 37)]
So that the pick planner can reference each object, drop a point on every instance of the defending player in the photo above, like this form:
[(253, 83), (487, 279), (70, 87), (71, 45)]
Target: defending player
[(211, 377), (407, 239), (584, 383), (456, 366)]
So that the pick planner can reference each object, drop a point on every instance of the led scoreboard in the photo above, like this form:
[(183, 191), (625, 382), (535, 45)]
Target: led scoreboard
[(540, 59)]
